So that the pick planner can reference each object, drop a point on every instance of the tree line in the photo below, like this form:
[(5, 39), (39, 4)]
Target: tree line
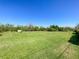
[(10, 27)]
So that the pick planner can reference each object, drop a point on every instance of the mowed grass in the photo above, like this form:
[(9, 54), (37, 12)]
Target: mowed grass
[(37, 45)]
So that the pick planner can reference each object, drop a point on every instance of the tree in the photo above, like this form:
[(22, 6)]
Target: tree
[(61, 29), (42, 28), (54, 27), (36, 28), (77, 27), (10, 27)]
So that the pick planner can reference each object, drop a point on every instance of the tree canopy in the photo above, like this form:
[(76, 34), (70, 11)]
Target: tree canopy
[(10, 27)]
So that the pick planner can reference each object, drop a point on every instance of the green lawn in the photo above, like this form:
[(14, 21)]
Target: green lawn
[(37, 45)]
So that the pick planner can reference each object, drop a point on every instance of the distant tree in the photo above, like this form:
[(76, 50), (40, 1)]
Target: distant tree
[(48, 29), (61, 29), (54, 27), (10, 27), (68, 29), (30, 28), (2, 28), (25, 28), (42, 28), (77, 27), (36, 28)]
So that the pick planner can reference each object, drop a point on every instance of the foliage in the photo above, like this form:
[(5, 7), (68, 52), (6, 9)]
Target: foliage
[(77, 29), (10, 27)]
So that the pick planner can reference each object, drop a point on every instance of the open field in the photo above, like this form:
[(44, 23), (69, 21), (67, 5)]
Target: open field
[(37, 45)]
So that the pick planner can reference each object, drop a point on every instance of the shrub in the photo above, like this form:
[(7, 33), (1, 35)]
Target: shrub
[(77, 32)]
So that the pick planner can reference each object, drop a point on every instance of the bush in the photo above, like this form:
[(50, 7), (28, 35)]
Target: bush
[(77, 32)]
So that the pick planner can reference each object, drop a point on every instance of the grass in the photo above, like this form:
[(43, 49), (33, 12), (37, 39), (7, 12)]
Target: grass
[(37, 45)]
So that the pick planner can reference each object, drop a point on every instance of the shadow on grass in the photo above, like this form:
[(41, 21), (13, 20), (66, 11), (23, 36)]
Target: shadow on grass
[(0, 34), (74, 39)]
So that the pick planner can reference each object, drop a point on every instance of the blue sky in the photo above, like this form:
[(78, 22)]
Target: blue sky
[(40, 12)]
